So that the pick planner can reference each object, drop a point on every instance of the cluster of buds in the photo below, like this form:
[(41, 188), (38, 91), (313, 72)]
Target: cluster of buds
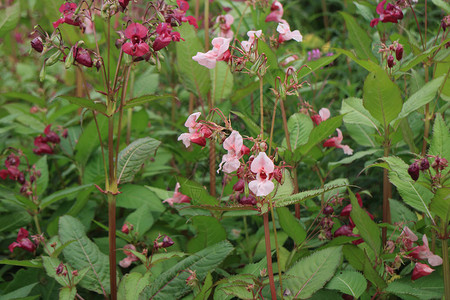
[(127, 261), (439, 165), (46, 144), (165, 243), (389, 52), (127, 228), (23, 242)]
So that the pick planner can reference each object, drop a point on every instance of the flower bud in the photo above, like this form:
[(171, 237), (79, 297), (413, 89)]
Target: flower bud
[(239, 186), (399, 52), (390, 61), (125, 229), (328, 210), (413, 171), (167, 242), (83, 57), (37, 44), (424, 164), (59, 269), (249, 200)]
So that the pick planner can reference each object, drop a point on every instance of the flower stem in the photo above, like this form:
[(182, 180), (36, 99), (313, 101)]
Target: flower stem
[(269, 256), (387, 191), (276, 247), (446, 267), (112, 244), (261, 104), (36, 222)]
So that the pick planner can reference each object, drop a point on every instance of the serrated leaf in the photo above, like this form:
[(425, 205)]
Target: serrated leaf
[(132, 284), (221, 81), (84, 253), (300, 127), (441, 139), (196, 192), (34, 263), (410, 288), (352, 158), (443, 5), (209, 232), (348, 282), (141, 219), (50, 265), (368, 230), (145, 99), (291, 225), (359, 38), (311, 273), (133, 156), (401, 213), (42, 181), (382, 97), (9, 18), (286, 188), (86, 103), (355, 113), (206, 288), (62, 194), (440, 204), (366, 64), (172, 283), (67, 293)]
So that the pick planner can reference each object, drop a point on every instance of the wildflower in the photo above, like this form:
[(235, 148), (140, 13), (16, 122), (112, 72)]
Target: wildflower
[(336, 142), (252, 35), (439, 164), (23, 242), (167, 242), (286, 34), (177, 197), (60, 269), (219, 52), (198, 133), (225, 22), (42, 142), (413, 171), (239, 186), (137, 46), (247, 200), (424, 164), (324, 114), (234, 145), (408, 238), (83, 57), (192, 278), (328, 210), (125, 228), (165, 36), (421, 270), (391, 14), (127, 261), (399, 52), (37, 44), (263, 167), (423, 252), (123, 4), (276, 12), (289, 59), (390, 61), (179, 15), (68, 10), (314, 54)]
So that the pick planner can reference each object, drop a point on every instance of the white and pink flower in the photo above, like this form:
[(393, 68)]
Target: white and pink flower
[(263, 167), (127, 261), (424, 252), (324, 114), (219, 52), (177, 197), (198, 133), (225, 22), (336, 142), (276, 12), (286, 34), (236, 149), (252, 35)]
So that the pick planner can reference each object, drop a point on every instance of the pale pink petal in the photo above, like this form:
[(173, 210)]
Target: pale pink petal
[(205, 59), (221, 45), (347, 149), (229, 19), (231, 164), (186, 138), (246, 45), (434, 260), (324, 114), (234, 142), (283, 28), (339, 137), (192, 120), (261, 187), (409, 234), (262, 163)]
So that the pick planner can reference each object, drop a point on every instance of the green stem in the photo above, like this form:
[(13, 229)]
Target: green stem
[(387, 190), (446, 267), (112, 243), (261, 104), (36, 222), (273, 291), (276, 246)]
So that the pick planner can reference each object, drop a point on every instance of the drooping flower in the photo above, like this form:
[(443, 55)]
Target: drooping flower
[(324, 114), (391, 14), (68, 10), (421, 270), (276, 12), (166, 242), (408, 238), (286, 34), (23, 242), (225, 22), (198, 132), (12, 171), (179, 15), (83, 57), (336, 142), (177, 197), (37, 44), (42, 142), (252, 35), (235, 147), (423, 252), (165, 36), (414, 171), (263, 167), (127, 261), (123, 4), (219, 52), (137, 34)]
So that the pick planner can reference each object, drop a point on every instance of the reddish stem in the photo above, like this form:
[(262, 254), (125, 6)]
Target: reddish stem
[(269, 256)]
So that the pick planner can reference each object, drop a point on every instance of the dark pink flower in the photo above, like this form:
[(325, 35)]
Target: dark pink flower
[(263, 167), (423, 252), (51, 136), (179, 15), (137, 34), (198, 133), (177, 197), (68, 10), (421, 270), (125, 228), (165, 36), (324, 114), (23, 242), (37, 44), (391, 14), (83, 57), (127, 261), (336, 142), (276, 12), (124, 3), (42, 147)]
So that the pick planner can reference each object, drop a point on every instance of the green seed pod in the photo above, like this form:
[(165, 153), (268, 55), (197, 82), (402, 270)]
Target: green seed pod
[(42, 73), (53, 59), (69, 59)]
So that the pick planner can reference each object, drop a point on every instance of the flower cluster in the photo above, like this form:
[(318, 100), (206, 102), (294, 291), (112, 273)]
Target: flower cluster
[(395, 49), (391, 14), (46, 144), (435, 173), (198, 132)]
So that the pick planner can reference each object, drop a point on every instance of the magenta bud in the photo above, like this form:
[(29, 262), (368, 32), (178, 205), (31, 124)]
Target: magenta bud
[(424, 164), (83, 57), (37, 44), (167, 242), (250, 200), (59, 269), (413, 171), (390, 61), (328, 210), (239, 186), (399, 52)]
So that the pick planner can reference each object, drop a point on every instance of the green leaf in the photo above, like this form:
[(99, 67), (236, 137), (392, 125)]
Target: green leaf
[(359, 38), (62, 194), (315, 65), (194, 76), (88, 140), (382, 97), (84, 253), (209, 232), (42, 181), (134, 196), (300, 127), (302, 196), (417, 59), (311, 273), (172, 283), (141, 219), (286, 188), (132, 284), (441, 139), (443, 5), (423, 96), (355, 113), (24, 96), (145, 99), (242, 93), (14, 220), (206, 288), (133, 156), (222, 81), (350, 159), (86, 103), (50, 265), (34, 263), (9, 18), (249, 124), (19, 293), (291, 225), (368, 230), (440, 205), (415, 290), (401, 213), (348, 282), (67, 293), (366, 64), (320, 133), (196, 192)]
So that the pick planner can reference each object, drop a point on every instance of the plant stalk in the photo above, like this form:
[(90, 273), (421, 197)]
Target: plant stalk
[(112, 243), (273, 291), (446, 266), (387, 193)]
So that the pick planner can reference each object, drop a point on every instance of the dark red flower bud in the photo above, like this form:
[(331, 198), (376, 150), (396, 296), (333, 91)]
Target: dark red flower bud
[(53, 137), (124, 3), (83, 57), (278, 175), (21, 178), (345, 230), (413, 171), (439, 163), (239, 186), (328, 210), (390, 61), (167, 242), (12, 160), (245, 150), (226, 56), (424, 164), (250, 200), (65, 133), (317, 119), (399, 52), (59, 269), (199, 141), (37, 44)]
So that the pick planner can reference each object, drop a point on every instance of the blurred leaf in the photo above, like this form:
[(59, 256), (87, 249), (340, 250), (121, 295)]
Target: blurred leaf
[(88, 140), (67, 293), (440, 204), (133, 156), (311, 273), (62, 194), (366, 64), (291, 225), (431, 289), (249, 124), (42, 181), (221, 81), (9, 18), (242, 93), (132, 284), (19, 293), (34, 263), (359, 38), (441, 139), (350, 159), (401, 213), (141, 219), (206, 288), (348, 282), (300, 127), (27, 97), (86, 103), (443, 5), (315, 65), (145, 99), (14, 220), (286, 188), (209, 232)]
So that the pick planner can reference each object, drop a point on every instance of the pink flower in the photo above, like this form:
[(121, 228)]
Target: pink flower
[(23, 242), (68, 10), (179, 15), (324, 114), (124, 4), (198, 133), (165, 36), (126, 262), (263, 167), (421, 270), (246, 45), (289, 59), (218, 53), (336, 142), (177, 197), (137, 34), (225, 22), (423, 252), (276, 12), (391, 14), (408, 238), (286, 34), (234, 145)]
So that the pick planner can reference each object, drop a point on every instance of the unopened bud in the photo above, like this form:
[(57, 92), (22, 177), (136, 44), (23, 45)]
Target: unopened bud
[(390, 61), (413, 171), (60, 269), (37, 44), (424, 164), (399, 52), (328, 210)]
